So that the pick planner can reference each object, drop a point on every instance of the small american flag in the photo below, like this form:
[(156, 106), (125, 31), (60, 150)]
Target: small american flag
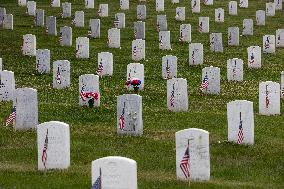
[(44, 150), (168, 69), (230, 37), (134, 51), (116, 22), (109, 41), (51, 3), (282, 91), (121, 118), (46, 30), (98, 182), (278, 39), (99, 11), (194, 4), (251, 61), (58, 76), (200, 28), (266, 44), (60, 37), (240, 133), (234, 69), (135, 33), (204, 84), (161, 41), (11, 117), (219, 16), (193, 56), (172, 97), (100, 68), (158, 26), (267, 102), (185, 163), (181, 36), (85, 95), (35, 20)]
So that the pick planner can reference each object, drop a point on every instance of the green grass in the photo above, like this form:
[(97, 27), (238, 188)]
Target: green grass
[(93, 131)]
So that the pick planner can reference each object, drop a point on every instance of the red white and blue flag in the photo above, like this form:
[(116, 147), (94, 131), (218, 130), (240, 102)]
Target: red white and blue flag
[(12, 116), (172, 97), (44, 150), (185, 163), (204, 84), (121, 118), (240, 133)]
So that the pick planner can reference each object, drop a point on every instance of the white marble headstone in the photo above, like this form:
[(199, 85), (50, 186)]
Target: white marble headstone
[(39, 18), (119, 20), (233, 36), (141, 12), (114, 171), (124, 4), (270, 9), (247, 27), (51, 27), (195, 6), (8, 22), (138, 49), (94, 28), (129, 115), (53, 144), (114, 38), (254, 56), (180, 14), (165, 40), (105, 64), (260, 17), (192, 155), (203, 25), (2, 15), (90, 4), (208, 2), (159, 5), (216, 42), (177, 95), (162, 24), (219, 15), (235, 69), (43, 61), (7, 85), (240, 122), (243, 3), (1, 66), (211, 75), (55, 3), (269, 44), (29, 45), (65, 36), (280, 38), (169, 67), (174, 1), (185, 33), (269, 98), (31, 8), (278, 4), (233, 8), (82, 47), (61, 74), (139, 30), (195, 54), (79, 19), (22, 3), (103, 10), (26, 103), (66, 10), (89, 90), (135, 70)]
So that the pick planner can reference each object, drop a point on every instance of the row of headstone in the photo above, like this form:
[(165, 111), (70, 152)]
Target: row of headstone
[(31, 8)]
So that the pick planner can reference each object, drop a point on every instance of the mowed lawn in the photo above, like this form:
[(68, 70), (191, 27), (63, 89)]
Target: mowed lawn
[(93, 131)]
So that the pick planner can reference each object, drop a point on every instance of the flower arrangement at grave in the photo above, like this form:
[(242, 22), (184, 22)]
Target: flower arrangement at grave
[(134, 82)]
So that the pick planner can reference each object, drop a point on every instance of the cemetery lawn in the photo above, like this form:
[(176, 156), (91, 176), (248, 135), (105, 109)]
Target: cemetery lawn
[(93, 131)]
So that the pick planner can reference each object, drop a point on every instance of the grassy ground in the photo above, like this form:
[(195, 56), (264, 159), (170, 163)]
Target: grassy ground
[(93, 132)]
